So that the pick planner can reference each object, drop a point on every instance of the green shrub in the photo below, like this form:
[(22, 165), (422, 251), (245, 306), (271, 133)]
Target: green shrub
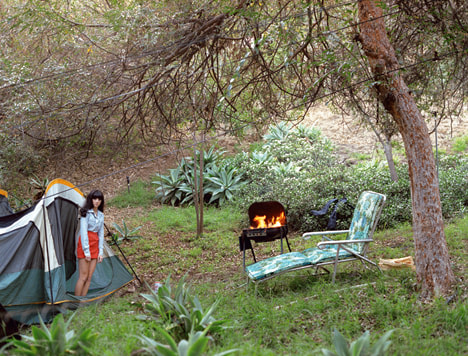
[(17, 158), (453, 184), (303, 175), (460, 144)]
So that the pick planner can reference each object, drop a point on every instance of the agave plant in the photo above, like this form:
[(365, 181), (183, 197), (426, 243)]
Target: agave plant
[(179, 312), (311, 133), (124, 233), (56, 341), (283, 169), (260, 157), (210, 157), (168, 187), (223, 183), (195, 345), (177, 188), (359, 347), (278, 132), (39, 185)]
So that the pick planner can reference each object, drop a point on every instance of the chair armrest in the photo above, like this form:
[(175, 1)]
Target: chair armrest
[(322, 245), (307, 235), (342, 242)]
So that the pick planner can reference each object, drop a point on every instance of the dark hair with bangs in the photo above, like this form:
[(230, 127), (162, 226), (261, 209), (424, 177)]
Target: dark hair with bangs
[(89, 202)]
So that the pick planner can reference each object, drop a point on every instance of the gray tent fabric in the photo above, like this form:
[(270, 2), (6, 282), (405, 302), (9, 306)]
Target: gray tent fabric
[(38, 265), (5, 208)]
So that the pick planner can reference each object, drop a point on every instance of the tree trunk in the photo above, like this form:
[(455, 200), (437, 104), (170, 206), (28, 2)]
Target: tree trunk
[(433, 268), (387, 146), (197, 188), (201, 192), (386, 143), (195, 191)]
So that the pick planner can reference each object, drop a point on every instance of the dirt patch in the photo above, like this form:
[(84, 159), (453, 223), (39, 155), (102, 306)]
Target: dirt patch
[(350, 136)]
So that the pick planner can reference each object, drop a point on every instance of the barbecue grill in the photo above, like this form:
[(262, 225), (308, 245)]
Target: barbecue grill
[(267, 223)]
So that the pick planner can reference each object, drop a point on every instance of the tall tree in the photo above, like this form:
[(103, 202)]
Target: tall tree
[(432, 259)]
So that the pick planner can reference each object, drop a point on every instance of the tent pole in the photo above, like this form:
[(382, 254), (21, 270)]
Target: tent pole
[(47, 248), (125, 257)]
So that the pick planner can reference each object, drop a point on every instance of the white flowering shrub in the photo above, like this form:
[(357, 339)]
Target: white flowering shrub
[(302, 172)]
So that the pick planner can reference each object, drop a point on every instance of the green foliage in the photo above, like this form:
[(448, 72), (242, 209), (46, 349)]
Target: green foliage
[(180, 312), (221, 181), (38, 185), (311, 133), (303, 175), (141, 195), (196, 345), (260, 157), (126, 234), (222, 184), (453, 184), (17, 158), (359, 347), (59, 340), (278, 132), (460, 144), (293, 315), (169, 187)]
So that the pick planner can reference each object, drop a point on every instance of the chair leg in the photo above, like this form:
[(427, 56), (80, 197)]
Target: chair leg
[(370, 262), (363, 263), (336, 263), (321, 267), (362, 259)]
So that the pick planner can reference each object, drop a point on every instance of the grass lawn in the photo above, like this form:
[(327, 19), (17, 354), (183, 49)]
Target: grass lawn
[(293, 314)]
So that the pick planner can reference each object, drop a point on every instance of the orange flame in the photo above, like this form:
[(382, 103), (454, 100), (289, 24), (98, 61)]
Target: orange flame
[(275, 221)]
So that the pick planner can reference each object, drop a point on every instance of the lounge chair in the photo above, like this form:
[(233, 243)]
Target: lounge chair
[(328, 252)]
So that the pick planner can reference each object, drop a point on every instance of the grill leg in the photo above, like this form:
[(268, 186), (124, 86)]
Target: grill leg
[(253, 254)]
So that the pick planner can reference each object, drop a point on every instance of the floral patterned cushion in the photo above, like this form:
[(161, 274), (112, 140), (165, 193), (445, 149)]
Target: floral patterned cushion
[(280, 263), (276, 264), (364, 216), (315, 255)]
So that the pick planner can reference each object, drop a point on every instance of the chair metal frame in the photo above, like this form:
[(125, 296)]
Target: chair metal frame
[(340, 244)]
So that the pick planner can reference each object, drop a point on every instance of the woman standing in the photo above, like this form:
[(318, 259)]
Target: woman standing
[(91, 240)]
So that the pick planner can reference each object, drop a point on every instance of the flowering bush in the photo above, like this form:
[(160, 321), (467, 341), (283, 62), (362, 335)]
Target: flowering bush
[(304, 173)]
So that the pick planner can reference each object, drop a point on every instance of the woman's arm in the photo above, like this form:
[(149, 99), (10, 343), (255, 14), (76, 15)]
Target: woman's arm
[(84, 235), (101, 237)]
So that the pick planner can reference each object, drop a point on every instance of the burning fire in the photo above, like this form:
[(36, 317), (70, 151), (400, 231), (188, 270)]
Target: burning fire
[(274, 221)]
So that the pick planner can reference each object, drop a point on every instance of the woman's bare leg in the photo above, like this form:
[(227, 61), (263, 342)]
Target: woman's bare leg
[(91, 268), (83, 268)]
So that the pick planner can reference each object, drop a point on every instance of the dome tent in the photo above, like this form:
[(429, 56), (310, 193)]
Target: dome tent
[(38, 265), (5, 208)]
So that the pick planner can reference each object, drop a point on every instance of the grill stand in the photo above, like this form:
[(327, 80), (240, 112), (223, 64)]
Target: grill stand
[(261, 235)]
